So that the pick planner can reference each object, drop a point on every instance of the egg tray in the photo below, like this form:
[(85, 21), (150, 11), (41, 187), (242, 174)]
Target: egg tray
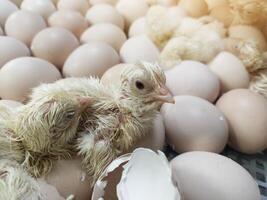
[(256, 165)]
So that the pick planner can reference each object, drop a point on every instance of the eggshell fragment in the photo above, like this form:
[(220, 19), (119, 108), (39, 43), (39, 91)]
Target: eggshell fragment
[(54, 44), (131, 10), (28, 24), (11, 48), (105, 32), (193, 124), (230, 70), (209, 176), (113, 75), (42, 7), (10, 103), (91, 59), (95, 2), (246, 113), (75, 5), (6, 9), (194, 8), (138, 27), (223, 14), (193, 78), (19, 76), (104, 13), (139, 48), (68, 19)]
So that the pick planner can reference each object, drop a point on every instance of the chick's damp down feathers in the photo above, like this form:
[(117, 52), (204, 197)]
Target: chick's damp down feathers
[(116, 117)]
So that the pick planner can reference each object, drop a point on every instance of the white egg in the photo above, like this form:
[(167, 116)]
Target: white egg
[(11, 48), (19, 76), (138, 27), (104, 13), (42, 7), (111, 2), (28, 24), (54, 44), (6, 9), (105, 32), (76, 5), (139, 48), (91, 59)]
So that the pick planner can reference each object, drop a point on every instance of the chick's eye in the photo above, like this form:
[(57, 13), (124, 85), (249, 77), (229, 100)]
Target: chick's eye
[(69, 115), (139, 85)]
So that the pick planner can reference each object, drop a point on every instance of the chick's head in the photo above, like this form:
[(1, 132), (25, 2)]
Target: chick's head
[(145, 83)]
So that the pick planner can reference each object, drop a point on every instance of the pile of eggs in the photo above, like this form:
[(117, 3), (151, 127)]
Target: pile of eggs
[(42, 41)]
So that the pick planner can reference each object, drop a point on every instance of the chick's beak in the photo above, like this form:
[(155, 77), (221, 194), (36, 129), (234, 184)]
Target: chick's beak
[(165, 95)]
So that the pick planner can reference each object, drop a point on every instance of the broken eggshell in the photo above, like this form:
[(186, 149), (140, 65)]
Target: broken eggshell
[(142, 164)]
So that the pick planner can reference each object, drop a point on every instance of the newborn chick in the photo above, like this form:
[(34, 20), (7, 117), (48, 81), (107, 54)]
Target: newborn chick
[(116, 117)]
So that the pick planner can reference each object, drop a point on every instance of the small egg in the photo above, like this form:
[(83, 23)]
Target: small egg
[(1, 31), (68, 178), (42, 7), (248, 33), (76, 5), (70, 20), (6, 9), (138, 27), (54, 44), (139, 48), (246, 113), (10, 103), (193, 78), (105, 32), (230, 70), (214, 3), (104, 13), (95, 2), (131, 10), (11, 48), (19, 76), (113, 75), (210, 176), (17, 2), (194, 8), (194, 124), (90, 59), (28, 24), (223, 14)]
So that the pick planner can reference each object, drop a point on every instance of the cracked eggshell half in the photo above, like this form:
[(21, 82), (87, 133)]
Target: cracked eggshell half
[(146, 175)]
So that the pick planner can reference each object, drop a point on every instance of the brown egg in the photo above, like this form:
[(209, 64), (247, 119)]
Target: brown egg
[(10, 103), (68, 178), (19, 76), (54, 44), (91, 59), (28, 24), (111, 2), (210, 176), (104, 13), (214, 3), (6, 9), (138, 27), (194, 124), (246, 113), (76, 5), (70, 20), (248, 33), (139, 48), (42, 7), (105, 32), (113, 75), (131, 10), (11, 48), (194, 8), (223, 14)]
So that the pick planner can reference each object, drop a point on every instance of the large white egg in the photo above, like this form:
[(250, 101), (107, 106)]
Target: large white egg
[(42, 7), (104, 13), (113, 75), (68, 19), (24, 25), (91, 59), (6, 9), (105, 32), (76, 5), (138, 27), (194, 124), (111, 2), (19, 76), (246, 113), (210, 176), (193, 78), (230, 70), (54, 44), (11, 48), (132, 10), (139, 48)]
